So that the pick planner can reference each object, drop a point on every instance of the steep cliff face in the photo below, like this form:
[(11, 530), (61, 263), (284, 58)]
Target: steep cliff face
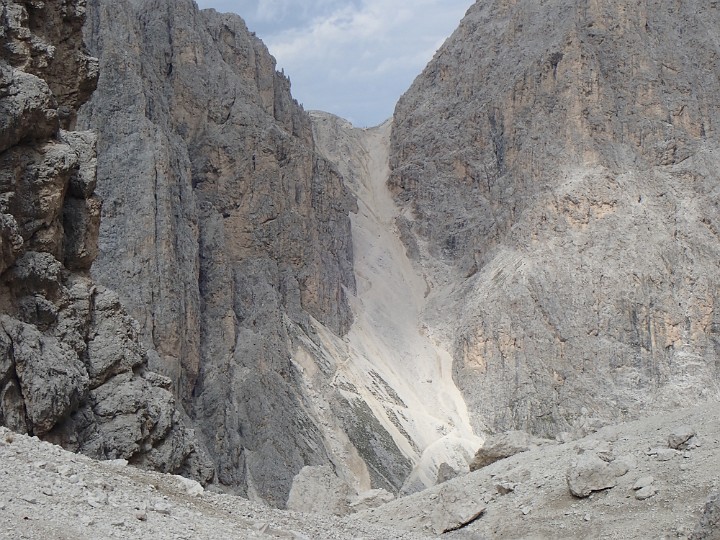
[(71, 367), (226, 234), (556, 164)]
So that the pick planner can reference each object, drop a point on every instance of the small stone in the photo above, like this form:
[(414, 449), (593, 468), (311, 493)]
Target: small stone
[(191, 487), (665, 454), (453, 509), (66, 470), (262, 527), (525, 510), (619, 468), (141, 515), (445, 472), (587, 517), (97, 499), (9, 437), (504, 488), (643, 482), (645, 493), (161, 508), (691, 444)]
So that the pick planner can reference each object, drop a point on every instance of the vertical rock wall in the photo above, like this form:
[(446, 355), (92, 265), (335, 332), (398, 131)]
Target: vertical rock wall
[(72, 369), (557, 163), (222, 229)]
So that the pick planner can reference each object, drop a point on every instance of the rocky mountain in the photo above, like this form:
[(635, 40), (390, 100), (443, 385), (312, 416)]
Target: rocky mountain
[(72, 369), (342, 314), (556, 164), (228, 237)]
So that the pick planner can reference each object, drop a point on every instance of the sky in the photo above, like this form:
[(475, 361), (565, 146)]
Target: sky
[(353, 58)]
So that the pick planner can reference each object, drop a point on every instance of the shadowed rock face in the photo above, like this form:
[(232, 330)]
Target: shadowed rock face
[(222, 229), (72, 369), (557, 162)]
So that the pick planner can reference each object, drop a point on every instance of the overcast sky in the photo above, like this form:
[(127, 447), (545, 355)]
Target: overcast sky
[(353, 58)]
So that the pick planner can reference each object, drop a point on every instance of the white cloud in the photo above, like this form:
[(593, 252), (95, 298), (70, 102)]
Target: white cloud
[(352, 57)]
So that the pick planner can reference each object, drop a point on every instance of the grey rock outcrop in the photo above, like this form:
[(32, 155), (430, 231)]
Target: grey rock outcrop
[(574, 212), (225, 233), (709, 526), (72, 369)]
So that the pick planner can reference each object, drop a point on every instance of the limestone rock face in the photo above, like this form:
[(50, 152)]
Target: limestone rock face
[(72, 369), (225, 233), (566, 217)]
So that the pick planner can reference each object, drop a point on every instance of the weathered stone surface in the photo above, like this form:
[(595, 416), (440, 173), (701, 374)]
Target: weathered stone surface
[(502, 446), (318, 490), (643, 482), (27, 107), (222, 229), (680, 438), (454, 509), (46, 41), (573, 212), (445, 473), (589, 473), (367, 500), (645, 493), (71, 367)]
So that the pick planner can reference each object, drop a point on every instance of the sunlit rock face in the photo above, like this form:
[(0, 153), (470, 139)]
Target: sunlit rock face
[(556, 164)]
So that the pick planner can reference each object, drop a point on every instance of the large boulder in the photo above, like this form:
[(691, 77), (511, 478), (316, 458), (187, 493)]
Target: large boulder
[(504, 445), (319, 491), (589, 473), (682, 438)]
